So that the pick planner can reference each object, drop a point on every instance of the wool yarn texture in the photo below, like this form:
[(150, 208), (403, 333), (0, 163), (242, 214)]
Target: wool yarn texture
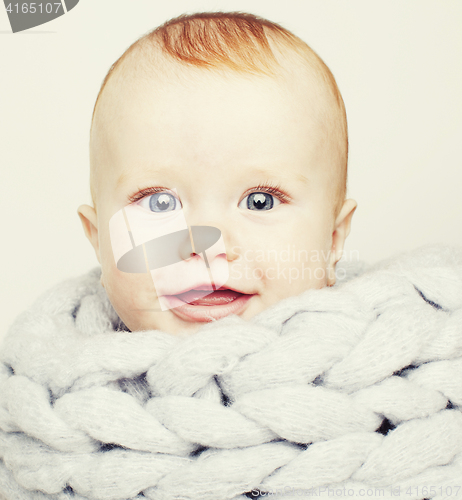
[(340, 391)]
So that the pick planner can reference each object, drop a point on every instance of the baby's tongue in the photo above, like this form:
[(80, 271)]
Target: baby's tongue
[(217, 298)]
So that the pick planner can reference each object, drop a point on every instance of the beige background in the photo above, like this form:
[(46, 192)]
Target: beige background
[(398, 65)]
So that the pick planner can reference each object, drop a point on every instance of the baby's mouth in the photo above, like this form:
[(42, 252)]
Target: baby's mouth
[(219, 297), (192, 305)]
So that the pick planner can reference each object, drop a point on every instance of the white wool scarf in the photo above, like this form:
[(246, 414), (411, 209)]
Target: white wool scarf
[(352, 391)]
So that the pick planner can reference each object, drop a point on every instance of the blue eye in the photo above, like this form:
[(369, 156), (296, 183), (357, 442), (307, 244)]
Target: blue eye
[(259, 201), (161, 203)]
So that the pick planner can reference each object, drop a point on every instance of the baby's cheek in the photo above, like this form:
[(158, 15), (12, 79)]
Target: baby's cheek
[(132, 295), (129, 293), (295, 277)]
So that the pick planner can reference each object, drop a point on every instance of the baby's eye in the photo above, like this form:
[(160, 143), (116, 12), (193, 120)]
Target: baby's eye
[(259, 201), (161, 202)]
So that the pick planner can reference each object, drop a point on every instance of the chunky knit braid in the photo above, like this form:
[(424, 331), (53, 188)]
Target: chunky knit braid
[(353, 387)]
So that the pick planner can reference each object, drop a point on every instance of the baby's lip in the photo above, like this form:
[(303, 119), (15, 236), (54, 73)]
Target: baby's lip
[(208, 287), (193, 306)]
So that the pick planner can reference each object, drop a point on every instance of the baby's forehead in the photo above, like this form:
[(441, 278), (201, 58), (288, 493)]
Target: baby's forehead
[(135, 83), (187, 103), (127, 91), (146, 66)]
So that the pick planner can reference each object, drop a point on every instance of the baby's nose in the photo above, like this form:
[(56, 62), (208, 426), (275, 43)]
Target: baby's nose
[(205, 241)]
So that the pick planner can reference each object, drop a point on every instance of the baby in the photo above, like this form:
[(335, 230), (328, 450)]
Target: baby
[(228, 124)]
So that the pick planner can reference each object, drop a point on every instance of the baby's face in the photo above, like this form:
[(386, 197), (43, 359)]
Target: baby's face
[(241, 154)]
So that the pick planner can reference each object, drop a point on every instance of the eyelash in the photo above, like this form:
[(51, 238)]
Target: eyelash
[(270, 188), (146, 192), (267, 187)]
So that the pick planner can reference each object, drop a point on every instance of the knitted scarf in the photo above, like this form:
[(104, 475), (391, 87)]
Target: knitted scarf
[(354, 390)]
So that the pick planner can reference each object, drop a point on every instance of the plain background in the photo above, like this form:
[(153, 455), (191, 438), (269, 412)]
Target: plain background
[(398, 65)]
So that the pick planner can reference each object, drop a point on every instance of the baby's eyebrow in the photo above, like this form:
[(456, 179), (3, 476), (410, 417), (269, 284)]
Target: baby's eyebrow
[(142, 175), (148, 173), (276, 174)]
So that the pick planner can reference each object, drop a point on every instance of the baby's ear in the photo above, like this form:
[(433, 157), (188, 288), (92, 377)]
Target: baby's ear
[(89, 221), (341, 231)]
